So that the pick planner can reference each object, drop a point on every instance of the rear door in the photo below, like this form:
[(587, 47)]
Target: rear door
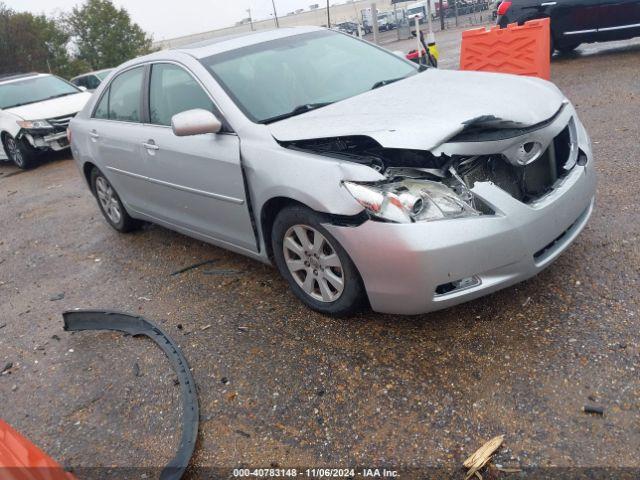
[(572, 21), (116, 134), (619, 19), (194, 182)]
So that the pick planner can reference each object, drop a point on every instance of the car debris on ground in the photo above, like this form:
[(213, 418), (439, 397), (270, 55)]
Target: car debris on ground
[(594, 409), (80, 320), (194, 266)]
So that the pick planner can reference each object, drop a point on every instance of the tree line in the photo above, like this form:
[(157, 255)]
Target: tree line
[(93, 36)]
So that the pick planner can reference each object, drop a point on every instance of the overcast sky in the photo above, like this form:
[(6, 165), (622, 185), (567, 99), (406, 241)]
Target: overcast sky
[(166, 19)]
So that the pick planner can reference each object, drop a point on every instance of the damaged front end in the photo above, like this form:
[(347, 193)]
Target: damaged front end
[(49, 134), (527, 162)]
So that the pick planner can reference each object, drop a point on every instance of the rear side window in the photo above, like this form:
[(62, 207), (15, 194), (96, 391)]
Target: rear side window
[(172, 91), (80, 81), (122, 100), (92, 82)]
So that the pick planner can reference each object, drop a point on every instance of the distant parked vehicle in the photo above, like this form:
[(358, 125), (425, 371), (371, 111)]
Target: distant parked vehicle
[(347, 27), (386, 21), (91, 80), (577, 21), (35, 110)]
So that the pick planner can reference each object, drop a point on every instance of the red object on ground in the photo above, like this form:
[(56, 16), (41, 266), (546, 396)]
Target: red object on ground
[(22, 460), (522, 50)]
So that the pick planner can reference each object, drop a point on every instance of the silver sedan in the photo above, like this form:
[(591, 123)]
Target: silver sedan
[(367, 180)]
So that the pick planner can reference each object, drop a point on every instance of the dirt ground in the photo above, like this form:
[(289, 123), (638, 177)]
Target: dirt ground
[(280, 385)]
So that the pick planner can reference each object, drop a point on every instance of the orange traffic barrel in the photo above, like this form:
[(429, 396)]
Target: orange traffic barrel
[(522, 50)]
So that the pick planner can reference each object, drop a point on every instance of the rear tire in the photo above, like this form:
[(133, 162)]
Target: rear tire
[(110, 204), (19, 152), (317, 268)]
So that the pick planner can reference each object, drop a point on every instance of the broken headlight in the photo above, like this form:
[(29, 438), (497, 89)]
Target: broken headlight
[(410, 200)]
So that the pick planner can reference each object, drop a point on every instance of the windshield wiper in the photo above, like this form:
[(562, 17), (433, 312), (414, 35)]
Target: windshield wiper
[(297, 111), (61, 95), (382, 83)]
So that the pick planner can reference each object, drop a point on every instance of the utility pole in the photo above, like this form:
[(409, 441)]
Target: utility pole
[(374, 19), (328, 15), (275, 13), (250, 18), (441, 16)]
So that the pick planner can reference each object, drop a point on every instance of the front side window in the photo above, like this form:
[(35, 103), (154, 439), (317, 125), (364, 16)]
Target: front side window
[(173, 91), (34, 89), (124, 96), (294, 74)]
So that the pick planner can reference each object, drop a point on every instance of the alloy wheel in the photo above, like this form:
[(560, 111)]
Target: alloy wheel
[(108, 200), (14, 152), (313, 263)]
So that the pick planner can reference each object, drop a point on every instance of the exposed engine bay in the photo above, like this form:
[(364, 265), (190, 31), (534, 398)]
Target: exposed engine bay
[(526, 183)]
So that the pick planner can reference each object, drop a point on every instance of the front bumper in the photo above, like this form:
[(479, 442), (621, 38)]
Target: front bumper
[(402, 265), (42, 141)]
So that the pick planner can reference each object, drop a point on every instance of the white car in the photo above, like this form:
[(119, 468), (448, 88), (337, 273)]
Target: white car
[(35, 110)]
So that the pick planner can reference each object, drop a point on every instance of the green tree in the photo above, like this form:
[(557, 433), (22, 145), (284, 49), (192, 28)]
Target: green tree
[(104, 36), (32, 43)]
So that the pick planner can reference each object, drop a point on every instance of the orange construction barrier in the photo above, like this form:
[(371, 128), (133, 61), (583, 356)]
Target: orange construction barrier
[(523, 50)]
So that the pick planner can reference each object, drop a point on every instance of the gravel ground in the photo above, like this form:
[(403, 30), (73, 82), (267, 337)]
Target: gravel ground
[(280, 385)]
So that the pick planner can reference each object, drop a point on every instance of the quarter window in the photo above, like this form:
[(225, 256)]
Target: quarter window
[(173, 91), (102, 111), (123, 97)]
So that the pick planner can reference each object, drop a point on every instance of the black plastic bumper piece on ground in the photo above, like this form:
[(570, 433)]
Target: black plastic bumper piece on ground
[(78, 320)]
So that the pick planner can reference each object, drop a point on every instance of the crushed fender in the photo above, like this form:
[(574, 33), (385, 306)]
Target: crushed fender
[(79, 320)]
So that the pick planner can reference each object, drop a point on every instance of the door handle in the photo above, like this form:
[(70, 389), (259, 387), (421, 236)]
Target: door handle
[(548, 4), (150, 145), (93, 134)]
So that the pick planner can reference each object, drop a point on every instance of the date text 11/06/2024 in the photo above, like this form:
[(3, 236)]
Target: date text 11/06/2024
[(316, 472)]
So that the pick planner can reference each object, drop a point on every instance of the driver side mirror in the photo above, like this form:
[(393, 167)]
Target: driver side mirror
[(195, 122)]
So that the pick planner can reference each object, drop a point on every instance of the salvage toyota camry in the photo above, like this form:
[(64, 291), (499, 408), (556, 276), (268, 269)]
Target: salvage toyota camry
[(404, 188)]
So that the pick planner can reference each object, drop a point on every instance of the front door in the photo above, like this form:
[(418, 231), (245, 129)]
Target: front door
[(194, 182)]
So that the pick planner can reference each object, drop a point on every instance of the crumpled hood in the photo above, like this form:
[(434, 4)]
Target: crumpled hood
[(53, 108), (425, 110)]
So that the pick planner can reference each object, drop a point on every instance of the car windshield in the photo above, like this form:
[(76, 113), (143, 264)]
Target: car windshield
[(415, 10), (104, 74), (289, 76), (32, 90)]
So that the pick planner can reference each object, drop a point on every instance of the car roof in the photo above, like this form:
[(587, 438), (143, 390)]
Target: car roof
[(212, 46), (92, 73), (8, 77), (19, 76)]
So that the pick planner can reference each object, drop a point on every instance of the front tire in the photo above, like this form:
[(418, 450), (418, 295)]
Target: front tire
[(317, 268), (18, 152), (110, 204)]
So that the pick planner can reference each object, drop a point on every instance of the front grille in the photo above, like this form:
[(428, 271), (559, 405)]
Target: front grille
[(530, 182), (60, 124)]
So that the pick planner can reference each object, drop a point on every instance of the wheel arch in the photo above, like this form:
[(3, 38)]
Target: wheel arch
[(274, 205), (87, 168)]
